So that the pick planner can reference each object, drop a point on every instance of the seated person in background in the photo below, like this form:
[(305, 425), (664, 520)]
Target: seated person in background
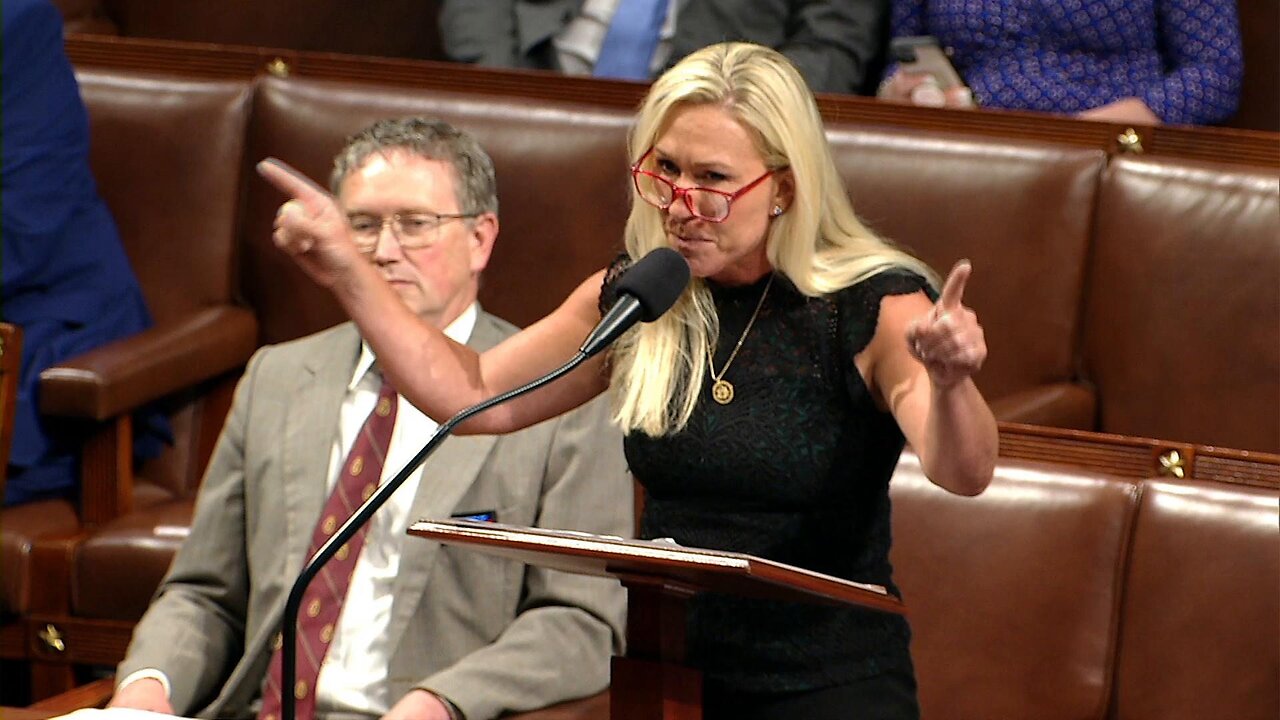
[(1149, 61), (425, 631), (838, 45), (66, 280)]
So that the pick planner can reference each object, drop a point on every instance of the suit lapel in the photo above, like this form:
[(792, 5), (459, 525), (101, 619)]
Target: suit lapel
[(446, 477), (311, 425), (312, 401)]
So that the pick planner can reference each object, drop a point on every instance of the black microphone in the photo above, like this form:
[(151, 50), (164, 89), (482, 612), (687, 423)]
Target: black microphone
[(646, 290)]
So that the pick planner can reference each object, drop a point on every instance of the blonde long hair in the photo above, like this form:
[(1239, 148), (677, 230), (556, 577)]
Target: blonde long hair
[(819, 244)]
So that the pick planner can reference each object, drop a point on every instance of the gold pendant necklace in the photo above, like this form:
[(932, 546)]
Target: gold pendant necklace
[(721, 389)]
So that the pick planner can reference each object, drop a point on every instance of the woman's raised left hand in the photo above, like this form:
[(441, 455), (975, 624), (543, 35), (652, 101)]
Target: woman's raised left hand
[(948, 340)]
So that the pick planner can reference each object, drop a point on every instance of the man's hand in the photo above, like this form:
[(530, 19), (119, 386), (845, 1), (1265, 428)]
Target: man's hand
[(310, 226), (142, 694), (948, 341), (1124, 110), (918, 88), (418, 705)]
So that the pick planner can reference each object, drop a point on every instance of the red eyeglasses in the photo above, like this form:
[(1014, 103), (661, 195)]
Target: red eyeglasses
[(705, 203)]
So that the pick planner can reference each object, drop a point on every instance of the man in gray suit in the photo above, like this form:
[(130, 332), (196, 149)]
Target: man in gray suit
[(838, 45), (425, 631)]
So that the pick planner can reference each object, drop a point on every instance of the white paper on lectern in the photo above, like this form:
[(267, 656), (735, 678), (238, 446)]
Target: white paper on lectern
[(115, 714)]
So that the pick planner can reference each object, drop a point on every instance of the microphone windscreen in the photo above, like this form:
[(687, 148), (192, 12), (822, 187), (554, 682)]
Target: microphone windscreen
[(656, 280)]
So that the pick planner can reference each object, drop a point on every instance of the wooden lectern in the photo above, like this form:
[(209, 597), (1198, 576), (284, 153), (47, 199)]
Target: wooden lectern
[(652, 682)]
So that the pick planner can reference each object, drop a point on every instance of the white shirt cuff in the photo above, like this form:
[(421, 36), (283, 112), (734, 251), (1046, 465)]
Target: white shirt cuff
[(144, 673)]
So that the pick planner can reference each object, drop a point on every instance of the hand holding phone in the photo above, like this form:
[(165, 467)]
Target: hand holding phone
[(925, 75)]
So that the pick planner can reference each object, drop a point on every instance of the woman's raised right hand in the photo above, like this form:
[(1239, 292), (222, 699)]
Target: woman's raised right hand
[(310, 226)]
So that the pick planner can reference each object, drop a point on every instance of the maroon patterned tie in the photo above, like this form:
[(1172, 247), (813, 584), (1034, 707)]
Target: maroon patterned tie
[(322, 602)]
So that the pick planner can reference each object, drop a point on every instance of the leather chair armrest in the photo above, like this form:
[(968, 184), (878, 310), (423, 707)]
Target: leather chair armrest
[(121, 376), (1064, 405)]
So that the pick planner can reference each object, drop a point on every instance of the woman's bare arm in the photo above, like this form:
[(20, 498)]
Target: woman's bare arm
[(920, 362)]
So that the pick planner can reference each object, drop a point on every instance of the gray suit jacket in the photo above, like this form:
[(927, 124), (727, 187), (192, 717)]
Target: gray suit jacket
[(490, 634), (838, 45)]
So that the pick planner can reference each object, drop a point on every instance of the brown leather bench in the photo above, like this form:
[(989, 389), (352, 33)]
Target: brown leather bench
[(1012, 595), (1182, 322), (1061, 593), (1200, 616)]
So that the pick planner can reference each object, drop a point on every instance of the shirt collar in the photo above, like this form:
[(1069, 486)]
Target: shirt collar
[(459, 331)]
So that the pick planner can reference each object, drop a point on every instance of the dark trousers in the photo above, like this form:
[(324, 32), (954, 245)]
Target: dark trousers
[(888, 696)]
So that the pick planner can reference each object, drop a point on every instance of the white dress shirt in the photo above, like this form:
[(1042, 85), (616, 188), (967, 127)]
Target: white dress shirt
[(353, 675)]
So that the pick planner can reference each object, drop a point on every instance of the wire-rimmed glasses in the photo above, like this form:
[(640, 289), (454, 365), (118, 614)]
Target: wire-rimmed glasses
[(704, 203), (412, 230)]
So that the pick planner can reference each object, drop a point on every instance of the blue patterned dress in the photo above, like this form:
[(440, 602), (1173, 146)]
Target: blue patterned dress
[(1181, 57)]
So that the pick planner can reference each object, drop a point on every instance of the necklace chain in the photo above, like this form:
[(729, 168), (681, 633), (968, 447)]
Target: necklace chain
[(721, 389)]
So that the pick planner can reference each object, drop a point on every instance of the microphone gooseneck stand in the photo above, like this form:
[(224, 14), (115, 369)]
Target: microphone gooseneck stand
[(289, 650)]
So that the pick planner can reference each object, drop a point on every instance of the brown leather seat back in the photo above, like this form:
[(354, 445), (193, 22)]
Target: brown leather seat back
[(1019, 211), (168, 154), (1201, 615), (1012, 595), (144, 542), (563, 190), (1184, 303)]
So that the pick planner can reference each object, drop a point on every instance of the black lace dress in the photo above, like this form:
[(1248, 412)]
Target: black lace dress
[(795, 469)]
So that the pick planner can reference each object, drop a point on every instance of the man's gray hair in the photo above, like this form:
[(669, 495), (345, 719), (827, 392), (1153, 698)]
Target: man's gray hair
[(474, 179)]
